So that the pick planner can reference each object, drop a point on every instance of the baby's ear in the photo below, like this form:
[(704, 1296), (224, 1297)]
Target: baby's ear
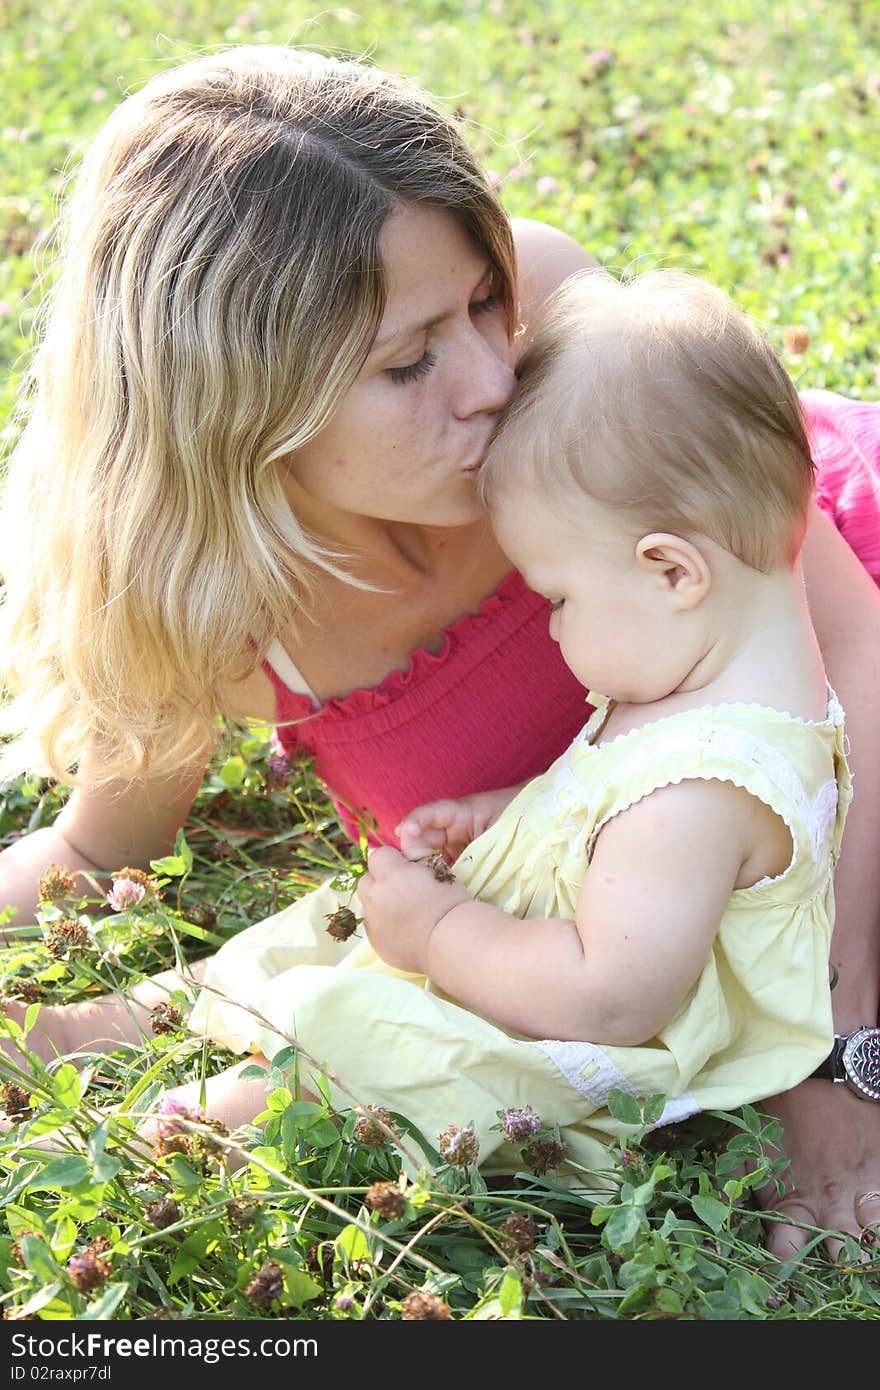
[(676, 566)]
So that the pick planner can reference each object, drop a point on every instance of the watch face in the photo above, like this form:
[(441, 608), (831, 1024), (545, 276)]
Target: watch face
[(861, 1062)]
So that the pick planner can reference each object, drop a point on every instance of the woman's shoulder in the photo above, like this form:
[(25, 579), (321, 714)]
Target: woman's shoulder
[(545, 257)]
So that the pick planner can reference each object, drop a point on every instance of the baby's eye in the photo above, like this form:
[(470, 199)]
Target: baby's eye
[(414, 370)]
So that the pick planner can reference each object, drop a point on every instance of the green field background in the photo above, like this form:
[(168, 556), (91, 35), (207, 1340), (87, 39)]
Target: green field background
[(736, 139)]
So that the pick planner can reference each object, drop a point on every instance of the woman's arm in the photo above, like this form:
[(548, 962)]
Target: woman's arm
[(99, 831), (832, 1137), (116, 824), (845, 607)]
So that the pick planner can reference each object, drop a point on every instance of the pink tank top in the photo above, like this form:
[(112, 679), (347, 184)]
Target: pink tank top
[(494, 706), (845, 439)]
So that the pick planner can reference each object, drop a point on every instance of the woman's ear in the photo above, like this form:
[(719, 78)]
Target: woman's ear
[(676, 566)]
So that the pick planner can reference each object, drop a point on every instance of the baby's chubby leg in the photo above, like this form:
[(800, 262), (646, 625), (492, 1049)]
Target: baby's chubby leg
[(226, 1097), (98, 1025)]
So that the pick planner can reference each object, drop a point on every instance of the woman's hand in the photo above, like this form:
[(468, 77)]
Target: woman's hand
[(448, 826), (401, 905), (833, 1139)]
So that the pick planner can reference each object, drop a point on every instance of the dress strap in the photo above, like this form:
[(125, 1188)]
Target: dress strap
[(795, 768), (289, 673)]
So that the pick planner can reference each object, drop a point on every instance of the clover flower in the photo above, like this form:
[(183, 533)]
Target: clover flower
[(162, 1212), (341, 924), (88, 1269), (165, 1018), (543, 1155), (138, 876), (319, 1259), (240, 1213), (387, 1199), (173, 1144), (458, 1147), (369, 1129), (28, 991), (201, 915), (519, 1233), (266, 1285), (519, 1125), (65, 936), (344, 1302), (15, 1248), (278, 767), (600, 59), (125, 893), (212, 1147), (56, 884), (439, 868), (421, 1306), (15, 1100), (172, 1106)]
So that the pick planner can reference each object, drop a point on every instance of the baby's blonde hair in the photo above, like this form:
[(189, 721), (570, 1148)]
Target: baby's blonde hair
[(221, 286), (658, 398)]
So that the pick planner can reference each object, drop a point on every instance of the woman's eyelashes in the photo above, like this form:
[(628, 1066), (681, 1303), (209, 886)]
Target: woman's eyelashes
[(414, 370), (485, 305)]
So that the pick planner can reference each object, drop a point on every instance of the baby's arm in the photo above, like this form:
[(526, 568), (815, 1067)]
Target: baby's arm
[(648, 912), (448, 826)]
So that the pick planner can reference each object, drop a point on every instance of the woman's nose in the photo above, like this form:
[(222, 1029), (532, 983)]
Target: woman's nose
[(486, 380)]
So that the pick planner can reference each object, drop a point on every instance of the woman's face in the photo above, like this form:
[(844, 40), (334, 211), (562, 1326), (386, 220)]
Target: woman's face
[(406, 439)]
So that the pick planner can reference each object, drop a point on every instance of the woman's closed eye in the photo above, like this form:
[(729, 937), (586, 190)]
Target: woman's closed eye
[(556, 604), (414, 370), (485, 306)]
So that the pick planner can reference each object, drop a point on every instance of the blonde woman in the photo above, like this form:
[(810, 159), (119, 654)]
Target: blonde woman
[(289, 312)]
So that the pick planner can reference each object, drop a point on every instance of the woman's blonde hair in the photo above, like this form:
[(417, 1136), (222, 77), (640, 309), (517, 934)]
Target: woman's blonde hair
[(660, 399), (221, 285)]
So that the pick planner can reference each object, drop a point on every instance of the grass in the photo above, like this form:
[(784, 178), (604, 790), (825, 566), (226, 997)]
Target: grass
[(735, 140)]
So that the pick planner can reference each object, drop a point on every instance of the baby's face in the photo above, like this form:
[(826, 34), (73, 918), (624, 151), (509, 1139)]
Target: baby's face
[(615, 629)]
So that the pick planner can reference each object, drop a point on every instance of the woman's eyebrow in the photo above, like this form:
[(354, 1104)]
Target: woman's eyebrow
[(424, 327), (408, 332)]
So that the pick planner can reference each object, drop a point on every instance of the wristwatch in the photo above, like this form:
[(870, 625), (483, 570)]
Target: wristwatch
[(855, 1060)]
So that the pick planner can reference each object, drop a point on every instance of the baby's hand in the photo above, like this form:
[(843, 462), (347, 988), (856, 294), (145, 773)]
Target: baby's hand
[(447, 827), (439, 827), (401, 904)]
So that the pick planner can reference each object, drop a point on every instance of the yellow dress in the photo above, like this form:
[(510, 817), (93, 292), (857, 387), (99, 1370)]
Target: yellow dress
[(757, 1021)]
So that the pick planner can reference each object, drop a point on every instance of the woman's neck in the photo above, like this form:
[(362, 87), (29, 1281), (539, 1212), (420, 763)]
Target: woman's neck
[(388, 553)]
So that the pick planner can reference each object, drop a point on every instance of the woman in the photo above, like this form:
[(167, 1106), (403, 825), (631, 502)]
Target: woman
[(286, 323)]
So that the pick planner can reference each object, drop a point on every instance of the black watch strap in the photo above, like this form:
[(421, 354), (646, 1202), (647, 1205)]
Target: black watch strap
[(830, 1069)]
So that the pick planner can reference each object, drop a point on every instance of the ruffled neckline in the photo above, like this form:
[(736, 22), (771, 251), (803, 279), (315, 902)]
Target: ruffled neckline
[(591, 732), (422, 663)]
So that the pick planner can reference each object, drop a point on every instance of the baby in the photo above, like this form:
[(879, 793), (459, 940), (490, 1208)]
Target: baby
[(653, 913)]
